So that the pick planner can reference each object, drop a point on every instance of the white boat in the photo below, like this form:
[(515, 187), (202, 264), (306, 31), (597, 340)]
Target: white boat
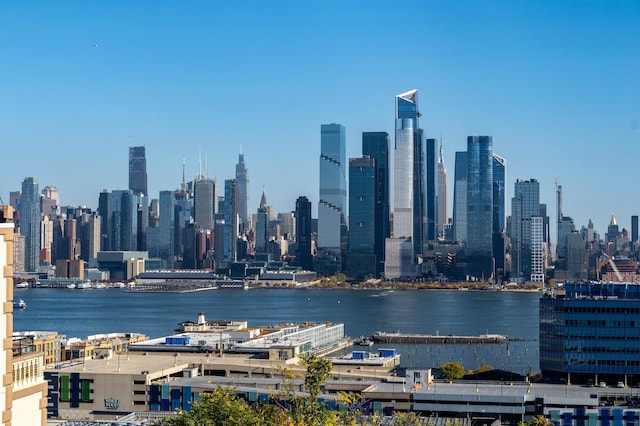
[(72, 285), (24, 284), (84, 285), (21, 304), (100, 285)]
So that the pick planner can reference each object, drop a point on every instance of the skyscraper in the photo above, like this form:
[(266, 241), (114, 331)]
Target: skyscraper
[(262, 225), (361, 259), (498, 212), (333, 198), (376, 146), (431, 190), (401, 248), (29, 208), (204, 200), (460, 197), (304, 257), (479, 248), (138, 170), (166, 230), (442, 200), (242, 191), (230, 221), (525, 205)]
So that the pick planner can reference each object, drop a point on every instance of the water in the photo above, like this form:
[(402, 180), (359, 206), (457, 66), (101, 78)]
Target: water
[(79, 313)]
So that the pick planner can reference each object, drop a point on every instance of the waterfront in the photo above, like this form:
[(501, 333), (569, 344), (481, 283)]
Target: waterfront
[(78, 313)]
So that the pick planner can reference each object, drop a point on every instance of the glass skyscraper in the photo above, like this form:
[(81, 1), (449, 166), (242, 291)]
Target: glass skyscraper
[(479, 247), (29, 209), (333, 191), (376, 146), (460, 197), (304, 258), (166, 227), (361, 258), (138, 170), (431, 190), (525, 205), (442, 199), (204, 202), (242, 190)]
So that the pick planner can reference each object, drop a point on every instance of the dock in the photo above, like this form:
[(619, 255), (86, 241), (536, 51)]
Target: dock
[(381, 337)]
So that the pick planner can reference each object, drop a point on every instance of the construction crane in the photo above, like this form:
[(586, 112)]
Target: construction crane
[(613, 266)]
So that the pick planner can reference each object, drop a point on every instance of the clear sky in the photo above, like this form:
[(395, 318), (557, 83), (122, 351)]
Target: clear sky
[(556, 83)]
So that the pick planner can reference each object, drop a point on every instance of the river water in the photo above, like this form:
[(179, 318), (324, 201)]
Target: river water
[(79, 313)]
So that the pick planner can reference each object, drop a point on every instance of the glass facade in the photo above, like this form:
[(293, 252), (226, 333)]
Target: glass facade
[(204, 200), (479, 245), (138, 170), (29, 209), (431, 190), (376, 145), (525, 205), (304, 258), (460, 197), (592, 333), (333, 187), (362, 185)]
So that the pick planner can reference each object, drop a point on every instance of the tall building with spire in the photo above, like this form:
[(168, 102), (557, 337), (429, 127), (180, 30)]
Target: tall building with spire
[(242, 191), (442, 194), (138, 170), (401, 248), (332, 204), (262, 225)]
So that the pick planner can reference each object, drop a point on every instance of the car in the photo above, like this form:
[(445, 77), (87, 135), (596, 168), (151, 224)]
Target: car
[(620, 385), (602, 385)]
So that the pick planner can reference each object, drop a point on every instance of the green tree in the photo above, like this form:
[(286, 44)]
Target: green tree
[(452, 370), (318, 369)]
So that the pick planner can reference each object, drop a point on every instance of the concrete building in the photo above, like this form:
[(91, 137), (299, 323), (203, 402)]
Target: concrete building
[(23, 391)]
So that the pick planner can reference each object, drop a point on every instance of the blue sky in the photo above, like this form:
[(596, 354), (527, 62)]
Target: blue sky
[(556, 84)]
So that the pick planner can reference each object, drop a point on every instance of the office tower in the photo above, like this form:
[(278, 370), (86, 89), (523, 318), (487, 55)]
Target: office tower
[(50, 201), (287, 223), (498, 211), (242, 189), (138, 170), (166, 230), (565, 227), (304, 256), (376, 146), (89, 235), (29, 209), (361, 258), (204, 201), (262, 225), (118, 220), (479, 206), (333, 198), (401, 248), (431, 190), (442, 195), (230, 221), (460, 197), (525, 205), (576, 259), (634, 229), (546, 235), (612, 230)]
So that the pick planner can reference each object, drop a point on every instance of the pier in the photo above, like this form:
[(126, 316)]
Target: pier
[(381, 337)]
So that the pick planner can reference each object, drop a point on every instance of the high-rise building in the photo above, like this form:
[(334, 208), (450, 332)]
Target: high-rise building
[(612, 230), (138, 170), (460, 197), (333, 198), (50, 201), (634, 229), (431, 190), (204, 200), (230, 221), (166, 231), (361, 258), (525, 205), (29, 209), (119, 228), (401, 248), (376, 146), (262, 225), (442, 200), (498, 212), (242, 190), (304, 256), (479, 245)]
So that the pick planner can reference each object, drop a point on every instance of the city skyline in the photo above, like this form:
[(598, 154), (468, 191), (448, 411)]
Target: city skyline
[(553, 84)]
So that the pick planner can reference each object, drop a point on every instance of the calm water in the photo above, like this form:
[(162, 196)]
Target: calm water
[(79, 313)]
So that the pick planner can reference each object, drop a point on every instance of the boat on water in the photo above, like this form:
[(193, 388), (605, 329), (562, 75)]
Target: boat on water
[(71, 286), (24, 284), (20, 304), (84, 285), (363, 341)]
